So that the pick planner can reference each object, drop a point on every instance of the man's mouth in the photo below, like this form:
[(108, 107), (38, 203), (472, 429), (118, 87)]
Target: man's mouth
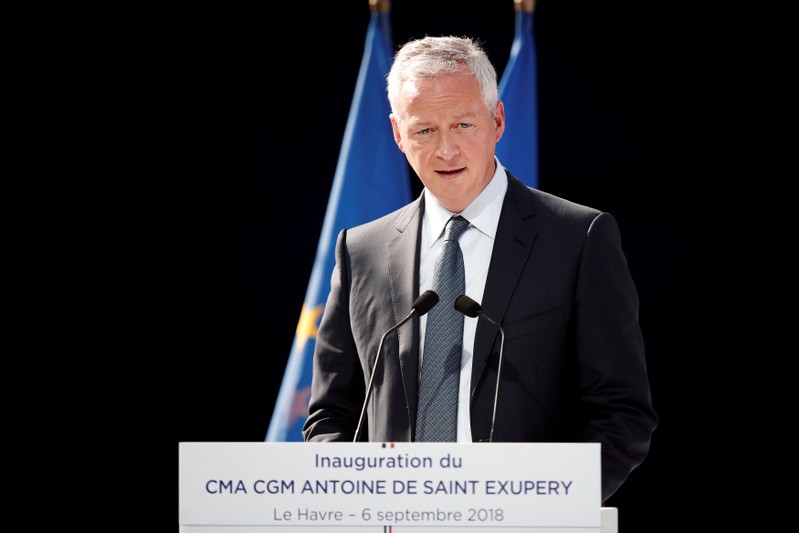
[(450, 172)]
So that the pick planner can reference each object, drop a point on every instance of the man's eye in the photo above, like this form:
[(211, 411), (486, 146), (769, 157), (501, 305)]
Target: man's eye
[(424, 131), (464, 125)]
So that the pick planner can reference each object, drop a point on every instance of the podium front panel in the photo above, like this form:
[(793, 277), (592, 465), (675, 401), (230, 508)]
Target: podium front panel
[(389, 487)]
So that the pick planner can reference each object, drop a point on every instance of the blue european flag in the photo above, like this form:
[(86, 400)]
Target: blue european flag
[(371, 180), (518, 148)]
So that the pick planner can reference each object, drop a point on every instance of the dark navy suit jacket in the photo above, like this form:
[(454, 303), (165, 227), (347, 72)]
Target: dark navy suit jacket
[(574, 368)]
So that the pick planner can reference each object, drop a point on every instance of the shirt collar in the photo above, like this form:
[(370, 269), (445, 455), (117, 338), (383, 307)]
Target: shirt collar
[(482, 213)]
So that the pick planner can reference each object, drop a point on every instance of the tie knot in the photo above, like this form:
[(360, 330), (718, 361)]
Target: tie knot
[(455, 228)]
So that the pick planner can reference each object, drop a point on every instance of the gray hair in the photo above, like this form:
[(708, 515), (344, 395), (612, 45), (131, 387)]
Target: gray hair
[(430, 57)]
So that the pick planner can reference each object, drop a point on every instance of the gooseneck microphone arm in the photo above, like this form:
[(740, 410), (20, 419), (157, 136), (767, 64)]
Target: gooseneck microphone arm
[(470, 308), (424, 303)]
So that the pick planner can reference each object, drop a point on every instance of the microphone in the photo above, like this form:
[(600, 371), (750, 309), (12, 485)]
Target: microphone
[(470, 308), (424, 303)]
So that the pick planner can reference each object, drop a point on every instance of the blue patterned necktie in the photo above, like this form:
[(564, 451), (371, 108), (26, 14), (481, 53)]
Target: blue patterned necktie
[(437, 416)]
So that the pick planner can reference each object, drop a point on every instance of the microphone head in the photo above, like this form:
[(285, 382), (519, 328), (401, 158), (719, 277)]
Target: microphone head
[(425, 302), (467, 306)]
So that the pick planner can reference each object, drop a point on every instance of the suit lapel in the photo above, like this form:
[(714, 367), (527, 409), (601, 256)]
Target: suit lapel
[(516, 234), (403, 267)]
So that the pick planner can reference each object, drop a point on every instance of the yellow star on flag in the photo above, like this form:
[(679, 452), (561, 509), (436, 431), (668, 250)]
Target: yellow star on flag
[(306, 327)]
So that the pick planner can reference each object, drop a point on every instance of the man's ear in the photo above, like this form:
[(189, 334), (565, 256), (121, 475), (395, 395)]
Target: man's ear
[(499, 119), (396, 130)]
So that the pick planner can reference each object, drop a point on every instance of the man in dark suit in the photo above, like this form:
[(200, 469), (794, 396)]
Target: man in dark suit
[(552, 272)]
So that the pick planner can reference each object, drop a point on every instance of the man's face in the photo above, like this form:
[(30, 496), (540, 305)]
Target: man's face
[(448, 136)]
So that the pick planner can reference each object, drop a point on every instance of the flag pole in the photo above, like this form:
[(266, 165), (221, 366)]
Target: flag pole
[(525, 6), (379, 6)]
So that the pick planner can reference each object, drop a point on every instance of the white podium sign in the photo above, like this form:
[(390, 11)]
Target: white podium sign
[(399, 485)]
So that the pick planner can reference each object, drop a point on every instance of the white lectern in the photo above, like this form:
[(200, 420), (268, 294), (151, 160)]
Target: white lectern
[(263, 487)]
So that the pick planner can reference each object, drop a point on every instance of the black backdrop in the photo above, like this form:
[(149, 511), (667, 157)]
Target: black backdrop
[(655, 112)]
